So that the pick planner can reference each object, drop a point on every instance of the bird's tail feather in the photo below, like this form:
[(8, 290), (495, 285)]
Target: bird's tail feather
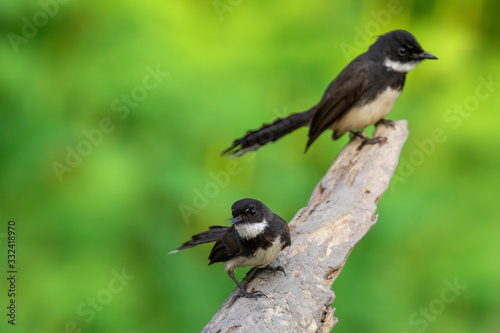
[(253, 140), (211, 235)]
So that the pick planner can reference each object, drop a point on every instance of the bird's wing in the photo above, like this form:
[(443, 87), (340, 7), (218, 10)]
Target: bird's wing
[(347, 88), (225, 248), (284, 232)]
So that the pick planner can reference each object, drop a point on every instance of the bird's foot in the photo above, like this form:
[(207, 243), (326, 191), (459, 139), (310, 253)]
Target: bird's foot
[(274, 269), (368, 141), (373, 141), (250, 294), (387, 122)]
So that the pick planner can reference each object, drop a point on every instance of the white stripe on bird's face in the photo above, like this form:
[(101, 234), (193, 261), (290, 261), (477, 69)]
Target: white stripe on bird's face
[(250, 230), (402, 67)]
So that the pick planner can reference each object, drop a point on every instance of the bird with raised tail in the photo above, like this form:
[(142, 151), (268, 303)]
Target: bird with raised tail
[(361, 95), (255, 238)]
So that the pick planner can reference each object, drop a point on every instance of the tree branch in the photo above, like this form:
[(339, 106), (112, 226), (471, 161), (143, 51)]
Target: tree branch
[(340, 212)]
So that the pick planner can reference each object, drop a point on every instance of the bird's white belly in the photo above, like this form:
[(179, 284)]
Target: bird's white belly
[(368, 114), (259, 258)]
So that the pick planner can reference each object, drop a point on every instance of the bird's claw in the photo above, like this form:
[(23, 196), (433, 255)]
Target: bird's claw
[(368, 141), (274, 269), (372, 141), (387, 122), (252, 294)]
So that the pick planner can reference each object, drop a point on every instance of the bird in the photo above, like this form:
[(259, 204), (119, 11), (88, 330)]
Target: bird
[(255, 238), (361, 95)]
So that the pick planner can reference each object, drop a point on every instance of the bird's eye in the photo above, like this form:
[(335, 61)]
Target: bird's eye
[(402, 51), (253, 211)]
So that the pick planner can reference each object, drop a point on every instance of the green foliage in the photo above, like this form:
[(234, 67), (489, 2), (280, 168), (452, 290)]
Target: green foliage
[(222, 68)]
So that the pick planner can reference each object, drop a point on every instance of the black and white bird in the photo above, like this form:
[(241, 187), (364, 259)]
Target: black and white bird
[(361, 95), (255, 238)]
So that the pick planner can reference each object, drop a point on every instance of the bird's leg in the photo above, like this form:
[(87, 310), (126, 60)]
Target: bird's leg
[(386, 122), (274, 269), (243, 292), (353, 135), (369, 141)]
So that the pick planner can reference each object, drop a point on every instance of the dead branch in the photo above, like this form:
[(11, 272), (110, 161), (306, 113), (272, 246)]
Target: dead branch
[(340, 212)]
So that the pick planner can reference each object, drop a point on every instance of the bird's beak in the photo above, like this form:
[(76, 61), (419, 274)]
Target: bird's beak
[(425, 55), (236, 219)]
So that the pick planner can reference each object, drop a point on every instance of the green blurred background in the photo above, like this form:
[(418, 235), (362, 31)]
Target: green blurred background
[(224, 68)]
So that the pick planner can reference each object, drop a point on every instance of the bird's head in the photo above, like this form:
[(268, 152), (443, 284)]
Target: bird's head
[(250, 217), (399, 50)]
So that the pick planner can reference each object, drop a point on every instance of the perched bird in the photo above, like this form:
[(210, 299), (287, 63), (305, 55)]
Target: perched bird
[(255, 238), (361, 95)]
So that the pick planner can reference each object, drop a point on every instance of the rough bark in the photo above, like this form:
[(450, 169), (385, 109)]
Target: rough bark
[(340, 212)]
